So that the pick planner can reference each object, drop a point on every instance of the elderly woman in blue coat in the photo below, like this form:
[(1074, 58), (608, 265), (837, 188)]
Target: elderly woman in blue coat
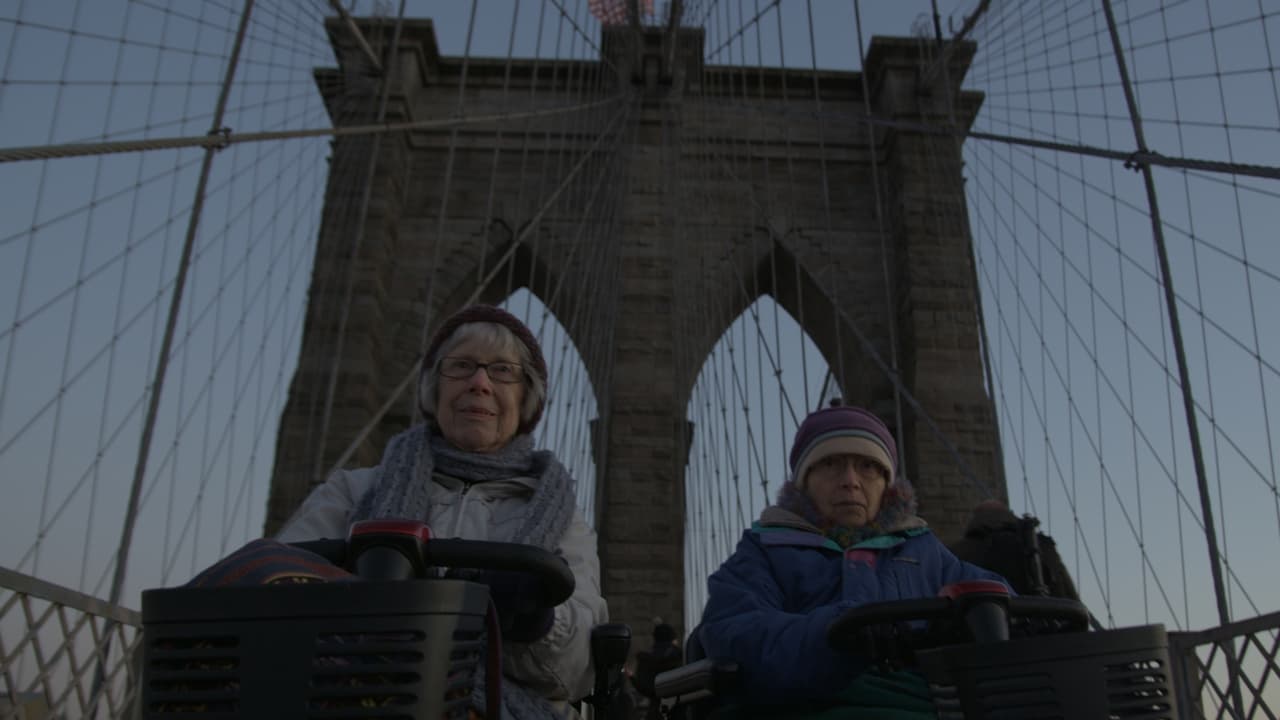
[(844, 532)]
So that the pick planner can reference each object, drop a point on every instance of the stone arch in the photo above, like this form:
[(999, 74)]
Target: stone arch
[(777, 272), (792, 284), (515, 274)]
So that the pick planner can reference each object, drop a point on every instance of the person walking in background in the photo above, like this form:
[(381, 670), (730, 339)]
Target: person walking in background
[(1000, 541), (665, 654)]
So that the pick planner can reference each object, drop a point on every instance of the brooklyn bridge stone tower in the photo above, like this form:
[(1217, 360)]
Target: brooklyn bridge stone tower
[(902, 273)]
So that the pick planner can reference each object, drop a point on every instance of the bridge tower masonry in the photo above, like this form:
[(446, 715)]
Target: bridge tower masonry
[(823, 264)]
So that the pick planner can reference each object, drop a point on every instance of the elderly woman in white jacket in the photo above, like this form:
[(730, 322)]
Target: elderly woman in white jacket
[(470, 471)]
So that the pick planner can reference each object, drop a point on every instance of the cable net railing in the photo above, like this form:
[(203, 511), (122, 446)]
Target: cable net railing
[(1205, 661), (1069, 250), (64, 654), (112, 110)]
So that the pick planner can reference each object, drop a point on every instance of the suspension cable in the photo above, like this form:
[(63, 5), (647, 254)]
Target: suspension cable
[(221, 137)]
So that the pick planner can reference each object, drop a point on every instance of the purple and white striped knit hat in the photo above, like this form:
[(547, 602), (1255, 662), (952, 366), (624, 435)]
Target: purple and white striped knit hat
[(841, 430)]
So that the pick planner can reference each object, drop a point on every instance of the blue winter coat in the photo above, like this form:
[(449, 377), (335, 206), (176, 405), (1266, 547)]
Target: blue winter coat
[(770, 603)]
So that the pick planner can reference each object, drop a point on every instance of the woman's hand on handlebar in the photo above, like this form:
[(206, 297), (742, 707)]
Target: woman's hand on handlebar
[(516, 596)]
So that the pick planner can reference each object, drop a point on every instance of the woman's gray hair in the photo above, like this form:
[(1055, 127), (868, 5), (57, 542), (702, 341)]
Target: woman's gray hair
[(503, 342)]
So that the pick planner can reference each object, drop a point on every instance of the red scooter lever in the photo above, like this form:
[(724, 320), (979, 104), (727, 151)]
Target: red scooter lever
[(388, 549)]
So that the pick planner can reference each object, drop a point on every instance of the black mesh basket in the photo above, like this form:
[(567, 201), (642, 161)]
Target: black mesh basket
[(399, 649), (1116, 674)]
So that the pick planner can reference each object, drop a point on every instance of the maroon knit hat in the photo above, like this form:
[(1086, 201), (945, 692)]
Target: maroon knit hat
[(496, 315), (842, 429)]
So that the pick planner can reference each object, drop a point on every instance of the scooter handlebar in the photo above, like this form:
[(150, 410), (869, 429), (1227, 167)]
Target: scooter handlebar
[(553, 574), (846, 631)]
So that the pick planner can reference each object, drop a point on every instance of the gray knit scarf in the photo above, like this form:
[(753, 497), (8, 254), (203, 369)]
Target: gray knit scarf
[(402, 486), (401, 490)]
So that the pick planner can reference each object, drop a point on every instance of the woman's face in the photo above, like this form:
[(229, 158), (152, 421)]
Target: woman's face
[(478, 414), (847, 489)]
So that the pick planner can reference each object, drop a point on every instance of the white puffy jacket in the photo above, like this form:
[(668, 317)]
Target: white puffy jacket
[(558, 666)]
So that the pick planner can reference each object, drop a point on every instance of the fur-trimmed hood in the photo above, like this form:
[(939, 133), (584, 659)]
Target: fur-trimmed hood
[(794, 509)]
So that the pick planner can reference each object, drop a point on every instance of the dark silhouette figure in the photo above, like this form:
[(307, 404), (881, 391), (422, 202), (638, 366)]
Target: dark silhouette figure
[(998, 540), (663, 656)]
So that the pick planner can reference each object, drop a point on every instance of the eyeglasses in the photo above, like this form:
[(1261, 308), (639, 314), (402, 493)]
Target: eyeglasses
[(863, 465), (463, 368)]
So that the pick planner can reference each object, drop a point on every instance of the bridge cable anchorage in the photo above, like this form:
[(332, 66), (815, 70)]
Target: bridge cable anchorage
[(938, 66), (223, 136), (1136, 160), (361, 41)]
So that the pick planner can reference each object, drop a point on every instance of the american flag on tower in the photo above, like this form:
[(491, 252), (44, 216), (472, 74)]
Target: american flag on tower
[(614, 12)]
